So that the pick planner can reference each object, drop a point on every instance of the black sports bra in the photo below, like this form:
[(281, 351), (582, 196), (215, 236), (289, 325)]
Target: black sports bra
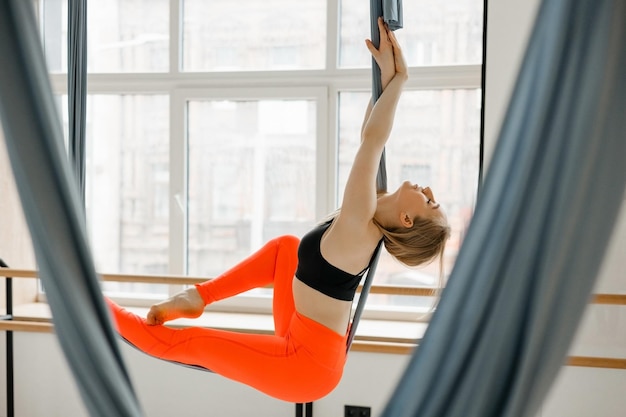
[(319, 274)]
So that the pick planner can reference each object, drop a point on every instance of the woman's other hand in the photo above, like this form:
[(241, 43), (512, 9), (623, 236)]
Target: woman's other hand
[(388, 56), (384, 54)]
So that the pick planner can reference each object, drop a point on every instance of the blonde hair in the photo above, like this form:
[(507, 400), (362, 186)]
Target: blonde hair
[(419, 244)]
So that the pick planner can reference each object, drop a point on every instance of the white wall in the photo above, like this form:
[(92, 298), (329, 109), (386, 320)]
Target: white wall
[(509, 23)]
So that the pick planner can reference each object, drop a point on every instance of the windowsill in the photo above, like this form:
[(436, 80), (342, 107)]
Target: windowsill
[(375, 334)]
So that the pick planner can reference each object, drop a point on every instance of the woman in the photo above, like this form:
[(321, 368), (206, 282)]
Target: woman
[(303, 361)]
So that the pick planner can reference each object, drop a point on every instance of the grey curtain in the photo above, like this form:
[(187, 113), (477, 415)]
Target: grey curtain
[(55, 218), (77, 87), (527, 267)]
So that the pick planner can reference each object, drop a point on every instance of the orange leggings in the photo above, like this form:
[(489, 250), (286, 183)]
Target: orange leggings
[(302, 362)]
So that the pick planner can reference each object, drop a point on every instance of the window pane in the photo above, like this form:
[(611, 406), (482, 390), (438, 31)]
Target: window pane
[(122, 35), (434, 33), (251, 177), (252, 35), (53, 24), (435, 141), (127, 187)]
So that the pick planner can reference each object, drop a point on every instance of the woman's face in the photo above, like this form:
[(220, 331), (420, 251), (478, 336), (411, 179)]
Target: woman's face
[(417, 201)]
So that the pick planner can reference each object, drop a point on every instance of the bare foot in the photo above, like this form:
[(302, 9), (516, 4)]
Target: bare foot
[(187, 304)]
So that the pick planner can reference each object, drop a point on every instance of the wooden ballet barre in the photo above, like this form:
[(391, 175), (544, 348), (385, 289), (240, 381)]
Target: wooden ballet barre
[(596, 362), (187, 280), (145, 279), (611, 299), (45, 325), (606, 299), (360, 344), (31, 326)]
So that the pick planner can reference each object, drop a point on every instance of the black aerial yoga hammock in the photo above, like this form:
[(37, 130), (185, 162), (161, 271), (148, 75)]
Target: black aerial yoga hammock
[(523, 275)]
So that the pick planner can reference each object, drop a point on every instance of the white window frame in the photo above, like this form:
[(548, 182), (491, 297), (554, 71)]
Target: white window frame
[(324, 86), (178, 168)]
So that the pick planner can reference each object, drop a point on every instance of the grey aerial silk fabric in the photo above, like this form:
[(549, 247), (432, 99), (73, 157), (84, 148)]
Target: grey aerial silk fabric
[(391, 11), (55, 218), (77, 87), (528, 264)]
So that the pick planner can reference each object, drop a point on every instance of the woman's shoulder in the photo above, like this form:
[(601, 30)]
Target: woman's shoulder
[(348, 244), (353, 227)]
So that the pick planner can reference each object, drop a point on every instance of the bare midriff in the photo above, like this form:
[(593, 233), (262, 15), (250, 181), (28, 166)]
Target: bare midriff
[(328, 311)]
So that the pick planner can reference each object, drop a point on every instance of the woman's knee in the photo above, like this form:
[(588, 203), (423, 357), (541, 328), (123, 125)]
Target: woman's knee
[(287, 253), (288, 242)]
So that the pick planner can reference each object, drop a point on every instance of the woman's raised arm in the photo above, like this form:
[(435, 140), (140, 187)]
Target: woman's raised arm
[(359, 202)]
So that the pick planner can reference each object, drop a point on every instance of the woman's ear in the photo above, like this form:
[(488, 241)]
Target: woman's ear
[(405, 219)]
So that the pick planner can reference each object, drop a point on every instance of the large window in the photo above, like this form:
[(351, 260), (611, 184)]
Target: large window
[(251, 177), (214, 126)]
